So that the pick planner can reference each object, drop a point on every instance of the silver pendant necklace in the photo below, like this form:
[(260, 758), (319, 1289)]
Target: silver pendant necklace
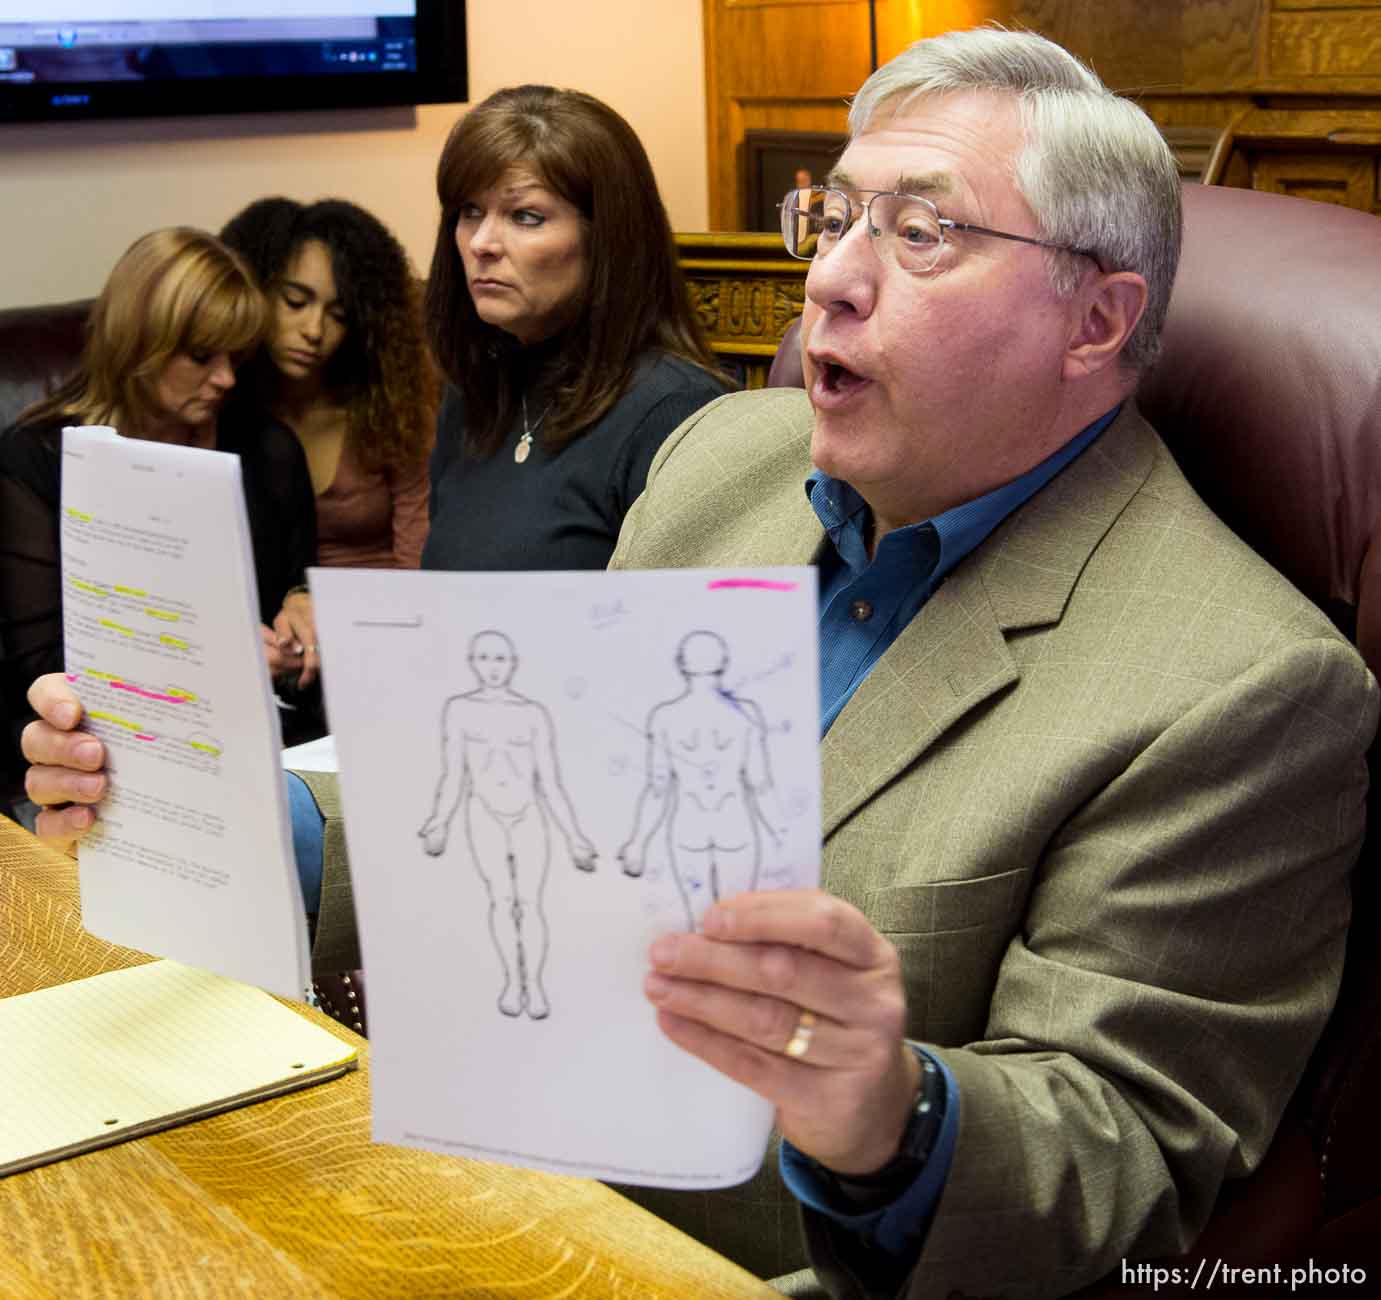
[(524, 447)]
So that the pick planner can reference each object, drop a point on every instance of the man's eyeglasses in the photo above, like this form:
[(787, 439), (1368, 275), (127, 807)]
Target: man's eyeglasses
[(907, 230)]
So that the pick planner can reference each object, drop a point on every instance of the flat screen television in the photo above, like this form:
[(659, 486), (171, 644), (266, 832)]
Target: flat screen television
[(62, 60)]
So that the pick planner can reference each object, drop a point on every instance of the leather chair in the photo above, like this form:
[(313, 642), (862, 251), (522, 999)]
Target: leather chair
[(1268, 393), (39, 348)]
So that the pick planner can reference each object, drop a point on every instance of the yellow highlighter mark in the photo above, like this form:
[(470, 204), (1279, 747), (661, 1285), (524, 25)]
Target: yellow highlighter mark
[(130, 591), (116, 719), (166, 615), (116, 627), (177, 644), (88, 586), (177, 694), (77, 514), (105, 677), (205, 749)]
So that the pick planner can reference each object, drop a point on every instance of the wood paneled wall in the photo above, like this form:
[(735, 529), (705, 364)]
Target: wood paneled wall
[(1296, 82)]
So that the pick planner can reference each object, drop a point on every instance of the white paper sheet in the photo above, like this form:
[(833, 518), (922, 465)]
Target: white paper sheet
[(507, 735), (313, 756), (192, 855)]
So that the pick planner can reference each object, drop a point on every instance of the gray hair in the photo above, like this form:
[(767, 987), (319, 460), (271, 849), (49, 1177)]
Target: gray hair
[(1095, 171)]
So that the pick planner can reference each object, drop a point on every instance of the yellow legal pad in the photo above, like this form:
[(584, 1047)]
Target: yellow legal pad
[(113, 1057)]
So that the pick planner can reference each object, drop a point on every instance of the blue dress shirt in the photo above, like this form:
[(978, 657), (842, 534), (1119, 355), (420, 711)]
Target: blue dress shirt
[(863, 608)]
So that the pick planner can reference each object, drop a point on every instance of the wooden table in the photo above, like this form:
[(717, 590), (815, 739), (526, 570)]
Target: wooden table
[(290, 1198)]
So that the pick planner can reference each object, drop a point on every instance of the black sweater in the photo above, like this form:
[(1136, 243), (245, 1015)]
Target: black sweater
[(563, 509)]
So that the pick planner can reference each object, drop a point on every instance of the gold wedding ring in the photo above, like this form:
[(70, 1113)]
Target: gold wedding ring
[(799, 1044)]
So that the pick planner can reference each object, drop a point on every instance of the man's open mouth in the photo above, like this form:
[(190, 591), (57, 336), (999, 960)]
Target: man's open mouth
[(838, 380)]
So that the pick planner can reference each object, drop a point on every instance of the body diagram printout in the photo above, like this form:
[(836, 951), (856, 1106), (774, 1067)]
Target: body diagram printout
[(540, 772), (191, 857)]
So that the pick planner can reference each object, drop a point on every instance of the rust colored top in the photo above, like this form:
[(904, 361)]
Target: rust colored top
[(372, 519)]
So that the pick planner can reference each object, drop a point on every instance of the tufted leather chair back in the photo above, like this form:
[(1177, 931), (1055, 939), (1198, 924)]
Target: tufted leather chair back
[(39, 348), (1268, 393)]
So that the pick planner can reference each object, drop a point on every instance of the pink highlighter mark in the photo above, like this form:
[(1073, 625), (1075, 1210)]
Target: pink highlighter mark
[(148, 695), (73, 677), (142, 737), (754, 584)]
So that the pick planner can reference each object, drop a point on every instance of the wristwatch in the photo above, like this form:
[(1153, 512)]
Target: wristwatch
[(858, 1191)]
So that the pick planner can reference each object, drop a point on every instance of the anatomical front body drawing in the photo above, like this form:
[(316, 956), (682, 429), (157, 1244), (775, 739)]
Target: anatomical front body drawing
[(500, 774)]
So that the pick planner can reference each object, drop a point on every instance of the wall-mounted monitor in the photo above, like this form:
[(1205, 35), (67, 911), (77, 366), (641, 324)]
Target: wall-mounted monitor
[(62, 60)]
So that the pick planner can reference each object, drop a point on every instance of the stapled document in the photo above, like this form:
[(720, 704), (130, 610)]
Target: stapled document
[(191, 857)]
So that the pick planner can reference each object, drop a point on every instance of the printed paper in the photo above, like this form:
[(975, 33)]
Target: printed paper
[(541, 772), (192, 855)]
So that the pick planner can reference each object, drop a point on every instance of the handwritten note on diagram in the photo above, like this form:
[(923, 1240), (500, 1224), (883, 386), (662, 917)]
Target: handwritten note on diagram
[(541, 772), (191, 858)]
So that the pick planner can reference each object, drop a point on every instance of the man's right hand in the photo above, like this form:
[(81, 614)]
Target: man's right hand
[(67, 765)]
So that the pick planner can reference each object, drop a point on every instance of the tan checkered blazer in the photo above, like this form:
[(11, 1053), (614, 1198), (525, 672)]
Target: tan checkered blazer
[(1103, 794)]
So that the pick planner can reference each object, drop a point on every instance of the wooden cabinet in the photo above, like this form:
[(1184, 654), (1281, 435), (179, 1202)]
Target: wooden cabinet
[(1281, 95), (775, 65)]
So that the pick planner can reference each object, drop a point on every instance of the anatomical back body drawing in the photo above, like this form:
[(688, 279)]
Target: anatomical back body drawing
[(708, 778)]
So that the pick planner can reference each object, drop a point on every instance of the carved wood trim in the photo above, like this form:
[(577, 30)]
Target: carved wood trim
[(746, 289)]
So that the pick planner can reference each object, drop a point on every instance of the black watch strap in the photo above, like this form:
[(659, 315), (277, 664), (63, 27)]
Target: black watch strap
[(857, 1191)]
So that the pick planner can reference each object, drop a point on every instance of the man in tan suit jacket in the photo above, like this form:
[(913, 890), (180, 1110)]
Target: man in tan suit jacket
[(1091, 796), (1089, 817), (1101, 796)]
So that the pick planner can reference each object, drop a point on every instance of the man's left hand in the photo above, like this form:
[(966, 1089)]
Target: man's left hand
[(771, 967)]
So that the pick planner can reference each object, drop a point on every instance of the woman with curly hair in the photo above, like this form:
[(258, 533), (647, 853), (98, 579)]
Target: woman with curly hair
[(345, 366)]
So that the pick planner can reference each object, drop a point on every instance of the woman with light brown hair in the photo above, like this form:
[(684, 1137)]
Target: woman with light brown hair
[(558, 313), (178, 313)]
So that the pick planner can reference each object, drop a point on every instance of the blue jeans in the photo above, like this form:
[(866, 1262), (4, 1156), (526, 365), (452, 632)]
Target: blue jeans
[(308, 836)]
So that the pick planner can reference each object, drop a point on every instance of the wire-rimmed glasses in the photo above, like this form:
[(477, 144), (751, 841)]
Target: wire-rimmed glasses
[(907, 230)]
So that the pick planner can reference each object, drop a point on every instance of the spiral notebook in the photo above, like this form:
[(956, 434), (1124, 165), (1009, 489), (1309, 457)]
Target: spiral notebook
[(117, 1056)]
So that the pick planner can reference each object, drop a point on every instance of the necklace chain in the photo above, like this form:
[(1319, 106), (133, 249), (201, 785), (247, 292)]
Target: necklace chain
[(524, 447)]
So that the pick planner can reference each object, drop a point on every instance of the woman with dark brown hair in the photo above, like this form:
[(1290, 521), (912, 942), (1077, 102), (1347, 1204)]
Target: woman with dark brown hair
[(558, 313)]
